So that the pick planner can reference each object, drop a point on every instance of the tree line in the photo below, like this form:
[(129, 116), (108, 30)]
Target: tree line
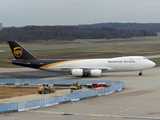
[(150, 26), (34, 33)]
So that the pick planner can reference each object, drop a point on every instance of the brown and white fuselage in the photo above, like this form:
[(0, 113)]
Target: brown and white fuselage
[(80, 67)]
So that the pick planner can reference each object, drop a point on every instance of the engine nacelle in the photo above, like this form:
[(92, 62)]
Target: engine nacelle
[(96, 72), (77, 72)]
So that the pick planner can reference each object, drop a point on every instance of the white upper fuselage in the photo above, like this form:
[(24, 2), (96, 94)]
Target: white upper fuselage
[(130, 63)]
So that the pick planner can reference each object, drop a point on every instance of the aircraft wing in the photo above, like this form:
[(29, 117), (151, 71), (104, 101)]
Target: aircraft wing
[(88, 69)]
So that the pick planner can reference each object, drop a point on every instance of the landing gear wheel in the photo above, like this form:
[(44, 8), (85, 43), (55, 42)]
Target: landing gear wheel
[(140, 74), (86, 74), (45, 91), (40, 92)]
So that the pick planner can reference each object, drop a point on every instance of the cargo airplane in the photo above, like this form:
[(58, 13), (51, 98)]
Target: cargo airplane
[(79, 67)]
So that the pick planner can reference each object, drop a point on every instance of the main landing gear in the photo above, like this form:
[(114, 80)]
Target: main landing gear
[(86, 74), (140, 74)]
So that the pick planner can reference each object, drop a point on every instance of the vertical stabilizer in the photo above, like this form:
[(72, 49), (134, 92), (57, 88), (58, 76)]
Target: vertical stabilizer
[(19, 52)]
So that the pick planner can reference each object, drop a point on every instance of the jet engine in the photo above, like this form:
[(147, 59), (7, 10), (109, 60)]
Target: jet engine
[(77, 72), (96, 72)]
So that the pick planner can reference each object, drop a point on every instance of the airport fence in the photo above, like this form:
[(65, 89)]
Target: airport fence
[(73, 96), (58, 82)]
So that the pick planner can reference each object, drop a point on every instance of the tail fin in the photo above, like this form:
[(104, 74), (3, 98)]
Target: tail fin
[(19, 52)]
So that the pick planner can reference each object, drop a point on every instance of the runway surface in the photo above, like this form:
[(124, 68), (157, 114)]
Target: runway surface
[(140, 100)]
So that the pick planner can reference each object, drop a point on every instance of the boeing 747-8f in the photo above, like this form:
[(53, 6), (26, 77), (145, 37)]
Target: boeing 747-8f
[(79, 67)]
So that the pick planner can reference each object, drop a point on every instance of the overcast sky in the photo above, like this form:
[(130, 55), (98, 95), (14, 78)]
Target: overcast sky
[(73, 12)]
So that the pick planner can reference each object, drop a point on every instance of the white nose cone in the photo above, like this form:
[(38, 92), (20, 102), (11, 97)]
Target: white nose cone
[(152, 64)]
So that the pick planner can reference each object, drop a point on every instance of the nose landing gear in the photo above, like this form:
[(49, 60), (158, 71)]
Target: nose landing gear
[(140, 74)]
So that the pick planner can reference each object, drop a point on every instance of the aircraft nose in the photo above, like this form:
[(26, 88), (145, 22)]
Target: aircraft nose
[(152, 64)]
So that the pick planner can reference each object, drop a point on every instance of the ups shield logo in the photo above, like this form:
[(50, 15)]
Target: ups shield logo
[(18, 52)]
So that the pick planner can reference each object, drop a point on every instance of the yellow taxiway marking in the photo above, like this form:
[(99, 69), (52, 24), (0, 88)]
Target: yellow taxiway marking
[(139, 107), (93, 118), (127, 110)]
